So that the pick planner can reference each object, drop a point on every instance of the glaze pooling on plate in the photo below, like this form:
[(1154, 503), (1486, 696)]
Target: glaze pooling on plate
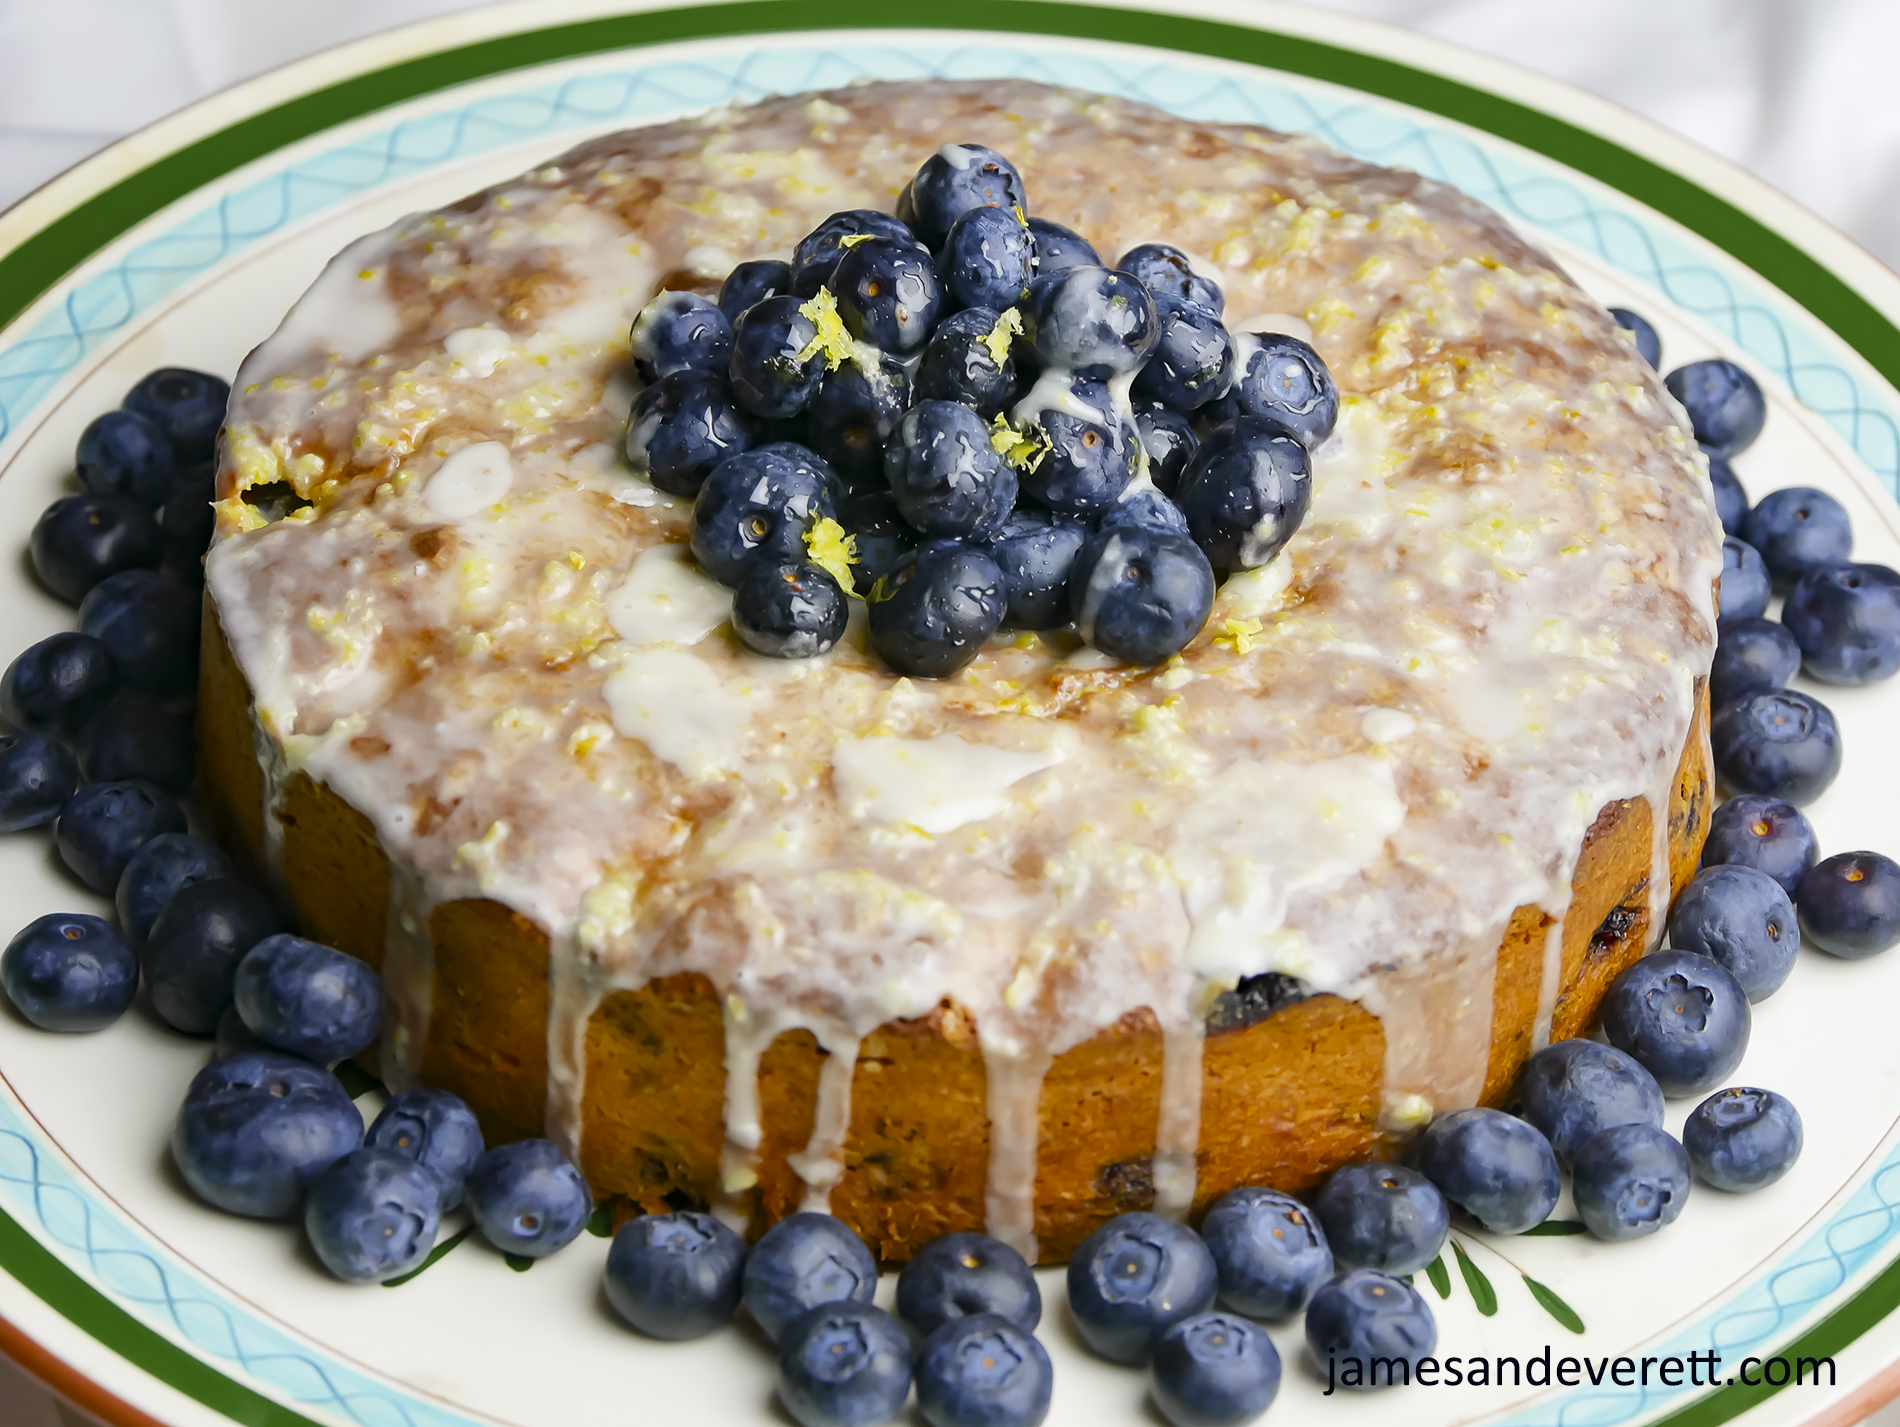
[(1384, 743)]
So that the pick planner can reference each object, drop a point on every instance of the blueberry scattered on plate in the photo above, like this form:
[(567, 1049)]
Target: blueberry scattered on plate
[(1683, 1017), (1778, 742), (1383, 1216), (1742, 919), (675, 1276), (1630, 1181), (1363, 1320), (69, 972), (528, 1199), (801, 1263), (1724, 403), (1495, 1167), (1846, 620), (1214, 1370), (1269, 1252), (1133, 1279), (256, 1130), (1768, 834), (1742, 1139), (1849, 904), (1573, 1090), (959, 1274), (372, 1215), (436, 1130), (1796, 529), (844, 1364), (983, 1370)]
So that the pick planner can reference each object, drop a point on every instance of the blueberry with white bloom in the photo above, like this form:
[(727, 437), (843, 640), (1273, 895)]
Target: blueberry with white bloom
[(123, 452), (257, 1129), (1214, 1370), (102, 825), (307, 998), (1573, 1090), (757, 507), (37, 779), (136, 736), (1382, 1216), (1133, 1279), (80, 540), (1684, 1017), (159, 871), (793, 611), (150, 623), (436, 1130), (1282, 378), (960, 363), (1846, 618), (684, 425), (888, 295), (1648, 344), (1363, 1320), (1246, 492), (528, 1198), (818, 252), (944, 473), (1781, 742), (1742, 919), (69, 972), (1731, 500), (852, 415), (1166, 272), (844, 1365), (1058, 248), (1139, 593), (1193, 358), (1630, 1181), (1745, 581), (1751, 654), (1093, 448), (1742, 1139), (192, 954), (754, 282), (1768, 834), (1036, 553), (188, 406), (1849, 904), (804, 1262), (1142, 505), (957, 1275), (1269, 1251), (952, 181), (1724, 403), (983, 1370), (1797, 529), (54, 686), (372, 1215), (675, 1276), (1090, 322), (933, 612), (776, 361), (1497, 1168), (1169, 442), (680, 332), (988, 260)]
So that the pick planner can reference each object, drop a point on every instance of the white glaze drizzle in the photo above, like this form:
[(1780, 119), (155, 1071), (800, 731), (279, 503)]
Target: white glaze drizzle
[(1014, 1084), (575, 989), (1178, 1127), (821, 1164), (408, 976)]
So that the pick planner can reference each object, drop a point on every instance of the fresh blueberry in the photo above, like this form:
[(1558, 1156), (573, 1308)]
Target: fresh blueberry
[(136, 737), (817, 254), (1170, 444), (1846, 619), (1751, 654), (960, 363), (233, 1037), (103, 825), (843, 1364), (757, 507), (945, 475), (852, 415), (1269, 1251), (801, 1263), (1193, 358), (1780, 742), (1742, 919), (931, 614), (888, 294), (187, 406), (1629, 1181), (69, 972), (754, 282), (680, 332), (37, 779), (372, 1215), (1765, 833), (683, 426), (1498, 1169), (309, 999), (776, 362), (1166, 272), (983, 1370), (1058, 248), (150, 623), (528, 1199), (955, 1275), (1090, 322), (1036, 552), (675, 1276), (1283, 379), (192, 954), (1725, 405), (789, 611), (1796, 529), (433, 1128), (188, 520), (123, 452), (1573, 1090), (1745, 582), (1365, 1317), (59, 683), (256, 1129), (1731, 501), (1214, 1370), (952, 181), (1849, 904), (81, 539), (987, 260), (882, 534), (1382, 1216), (1140, 594), (1246, 492), (1684, 1017), (1742, 1139), (1094, 446), (1144, 506), (1648, 344), (159, 871), (1133, 1279)]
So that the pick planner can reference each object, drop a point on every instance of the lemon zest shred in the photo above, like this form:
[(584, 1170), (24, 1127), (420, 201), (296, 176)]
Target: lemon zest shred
[(1010, 324), (1239, 633), (1022, 449), (831, 340), (833, 551), (851, 240)]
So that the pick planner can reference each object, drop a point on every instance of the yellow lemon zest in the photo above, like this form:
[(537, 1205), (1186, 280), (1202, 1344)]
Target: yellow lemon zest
[(1010, 324), (1240, 633), (1022, 449), (833, 551), (851, 240), (832, 341)]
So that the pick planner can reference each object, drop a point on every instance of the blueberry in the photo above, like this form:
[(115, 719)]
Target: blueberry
[(1382, 1216), (955, 1275), (187, 406), (1629, 1181), (59, 683), (1269, 1251), (1779, 742), (1090, 322), (1036, 552), (1133, 1279), (187, 518), (103, 825), (256, 1129), (123, 452), (1140, 594), (844, 1365), (1725, 405), (1745, 582), (1144, 507), (135, 736), (1170, 444), (883, 535), (853, 414), (945, 475), (528, 1199), (931, 614), (1765, 833), (1193, 358), (1166, 272), (192, 954), (776, 361), (69, 972), (757, 507), (682, 426), (1846, 619), (1684, 1017), (1575, 1089), (159, 871), (817, 254), (1741, 919), (309, 999), (433, 1128), (754, 282), (233, 1037), (37, 779), (1058, 248), (1849, 904), (1214, 1370), (888, 294), (1498, 1169), (675, 1276), (1742, 1139), (372, 1215), (1283, 379), (680, 332), (983, 1370), (801, 1263), (1731, 501), (959, 364), (1648, 344), (1796, 529), (789, 611), (952, 181), (1364, 1316), (1751, 654), (81, 539), (1094, 448), (987, 260), (150, 623), (1246, 492)]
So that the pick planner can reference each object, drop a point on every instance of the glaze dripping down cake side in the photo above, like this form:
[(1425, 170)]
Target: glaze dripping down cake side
[(1049, 939)]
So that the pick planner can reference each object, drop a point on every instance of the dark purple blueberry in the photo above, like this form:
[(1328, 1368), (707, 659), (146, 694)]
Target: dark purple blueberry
[(38, 777), (1780, 742), (844, 1365), (776, 362), (1683, 1017), (149, 622), (944, 473), (1796, 529), (59, 683), (433, 1128), (1166, 272), (308, 999), (1731, 501), (192, 953), (1630, 1181), (680, 332), (1497, 1168), (232, 1036), (136, 737), (1170, 443), (1572, 1090), (1058, 248), (81, 539), (881, 533), (1143, 506), (959, 365), (1745, 582), (1742, 919), (982, 1370), (957, 1275), (101, 826), (1724, 403), (1094, 448), (69, 972), (1193, 358), (372, 1215), (1036, 552), (528, 1199), (1283, 379), (188, 406), (888, 295), (1751, 654), (1849, 904), (852, 415), (952, 181), (1269, 1251), (1215, 1370), (124, 453), (1382, 1216), (1846, 619), (1772, 836), (931, 615), (987, 261), (795, 611), (756, 508), (1365, 1322), (160, 870), (257, 1129), (684, 425), (818, 252), (804, 1262), (1090, 322), (188, 521), (1648, 344), (1246, 492), (1133, 1279), (1742, 1139), (675, 1276), (1140, 594), (754, 282)]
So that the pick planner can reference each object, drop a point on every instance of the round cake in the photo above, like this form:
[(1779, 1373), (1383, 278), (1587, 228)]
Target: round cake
[(1027, 946)]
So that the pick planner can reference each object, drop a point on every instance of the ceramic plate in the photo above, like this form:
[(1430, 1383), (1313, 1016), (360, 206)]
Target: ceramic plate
[(185, 245)]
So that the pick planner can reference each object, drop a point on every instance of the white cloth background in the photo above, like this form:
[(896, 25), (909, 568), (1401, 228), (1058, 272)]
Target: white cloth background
[(1798, 91)]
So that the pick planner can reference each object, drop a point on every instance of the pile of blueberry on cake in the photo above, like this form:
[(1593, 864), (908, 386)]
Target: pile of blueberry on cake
[(963, 415)]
